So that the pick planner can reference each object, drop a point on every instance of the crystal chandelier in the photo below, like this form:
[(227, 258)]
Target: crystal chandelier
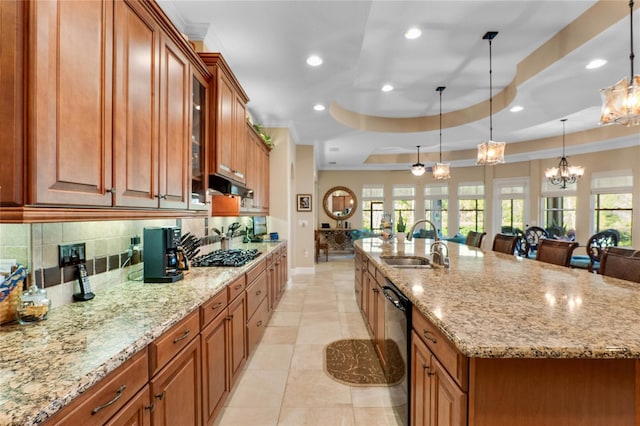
[(565, 173), (621, 102), (418, 168), (490, 152), (441, 170)]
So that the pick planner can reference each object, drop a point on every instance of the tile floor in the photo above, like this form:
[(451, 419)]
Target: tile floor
[(284, 382)]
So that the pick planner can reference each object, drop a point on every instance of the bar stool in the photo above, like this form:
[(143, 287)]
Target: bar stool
[(555, 251)]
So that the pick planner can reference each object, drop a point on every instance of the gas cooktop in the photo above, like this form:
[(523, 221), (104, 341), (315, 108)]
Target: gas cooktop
[(231, 257)]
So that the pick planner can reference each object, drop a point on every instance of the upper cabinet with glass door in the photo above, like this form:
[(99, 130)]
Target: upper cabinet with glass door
[(199, 135)]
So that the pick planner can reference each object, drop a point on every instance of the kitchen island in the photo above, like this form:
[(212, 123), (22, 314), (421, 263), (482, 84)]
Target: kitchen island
[(45, 366), (531, 343)]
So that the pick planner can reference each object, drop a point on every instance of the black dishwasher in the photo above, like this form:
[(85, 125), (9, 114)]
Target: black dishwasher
[(397, 331)]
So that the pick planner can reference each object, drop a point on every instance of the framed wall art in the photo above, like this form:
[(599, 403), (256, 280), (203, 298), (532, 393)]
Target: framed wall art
[(304, 202)]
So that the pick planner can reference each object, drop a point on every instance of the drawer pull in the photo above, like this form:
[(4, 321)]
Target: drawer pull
[(429, 336), (184, 336), (258, 293), (217, 305), (238, 287), (259, 323), (115, 398)]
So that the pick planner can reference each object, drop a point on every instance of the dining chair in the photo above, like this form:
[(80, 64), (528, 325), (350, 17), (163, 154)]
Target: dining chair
[(504, 243), (620, 266), (533, 235), (623, 251), (556, 252), (474, 239), (320, 246), (596, 245)]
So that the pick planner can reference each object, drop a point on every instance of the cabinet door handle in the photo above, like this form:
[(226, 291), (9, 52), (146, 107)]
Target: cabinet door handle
[(184, 336), (428, 370), (150, 407), (259, 323), (160, 396), (217, 305), (115, 398), (429, 336), (258, 293), (238, 287), (110, 191)]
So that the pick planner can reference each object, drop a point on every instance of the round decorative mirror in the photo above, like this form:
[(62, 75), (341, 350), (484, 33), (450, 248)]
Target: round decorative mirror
[(340, 203)]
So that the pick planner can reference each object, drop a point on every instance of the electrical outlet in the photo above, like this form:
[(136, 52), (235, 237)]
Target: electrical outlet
[(71, 254)]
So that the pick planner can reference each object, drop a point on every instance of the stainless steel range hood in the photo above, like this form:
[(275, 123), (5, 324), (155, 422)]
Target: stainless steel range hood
[(222, 185)]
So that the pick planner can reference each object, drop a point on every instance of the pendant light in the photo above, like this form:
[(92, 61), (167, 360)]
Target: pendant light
[(490, 152), (565, 173), (418, 168), (621, 102), (441, 170)]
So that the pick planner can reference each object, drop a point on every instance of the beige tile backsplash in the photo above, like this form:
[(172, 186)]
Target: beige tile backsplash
[(36, 245)]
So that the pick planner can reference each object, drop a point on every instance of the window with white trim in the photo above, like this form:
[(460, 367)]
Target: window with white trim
[(612, 198), (471, 207), (559, 209), (512, 199), (436, 202), (372, 207), (404, 201)]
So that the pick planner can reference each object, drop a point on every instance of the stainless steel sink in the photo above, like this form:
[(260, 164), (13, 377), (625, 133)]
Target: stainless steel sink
[(407, 262)]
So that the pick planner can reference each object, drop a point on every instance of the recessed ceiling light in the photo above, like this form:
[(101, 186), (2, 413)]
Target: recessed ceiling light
[(319, 107), (314, 60), (516, 108), (596, 63), (332, 162), (413, 33), (387, 88), (334, 149)]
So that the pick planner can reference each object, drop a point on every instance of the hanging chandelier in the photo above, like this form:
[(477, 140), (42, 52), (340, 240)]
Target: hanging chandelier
[(621, 102), (418, 168), (441, 170), (490, 152), (565, 173)]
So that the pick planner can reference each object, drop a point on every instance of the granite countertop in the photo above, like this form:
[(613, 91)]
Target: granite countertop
[(493, 305), (44, 366)]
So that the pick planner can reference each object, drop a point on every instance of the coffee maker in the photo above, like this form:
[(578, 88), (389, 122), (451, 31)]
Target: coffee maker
[(164, 259)]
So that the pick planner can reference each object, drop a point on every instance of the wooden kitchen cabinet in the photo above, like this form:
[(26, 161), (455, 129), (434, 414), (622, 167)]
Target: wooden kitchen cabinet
[(216, 374), (176, 389), (137, 412), (238, 336), (108, 399), (257, 176), (199, 142), (435, 398), (151, 113), (228, 100), (257, 308), (70, 73), (12, 73), (107, 121), (379, 322)]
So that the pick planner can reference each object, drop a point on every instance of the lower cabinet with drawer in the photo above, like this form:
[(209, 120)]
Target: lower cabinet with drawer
[(174, 360), (107, 400), (257, 309), (439, 377)]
